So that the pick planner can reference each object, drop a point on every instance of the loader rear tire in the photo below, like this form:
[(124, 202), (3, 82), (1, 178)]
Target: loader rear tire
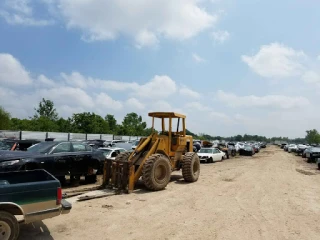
[(123, 157), (191, 167), (156, 172)]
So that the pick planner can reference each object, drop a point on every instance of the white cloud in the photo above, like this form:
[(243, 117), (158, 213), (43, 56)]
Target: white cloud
[(184, 91), (272, 101), (311, 77), (318, 57), (197, 106), (220, 36), (159, 87), (146, 38), (74, 93), (12, 73), (144, 20), (276, 61), (221, 117), (135, 103), (197, 58), (107, 102), (22, 6), (160, 105), (44, 81), (73, 96), (20, 12), (75, 79)]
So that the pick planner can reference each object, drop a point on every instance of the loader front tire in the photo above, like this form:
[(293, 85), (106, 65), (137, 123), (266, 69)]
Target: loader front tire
[(156, 172), (123, 157), (191, 167)]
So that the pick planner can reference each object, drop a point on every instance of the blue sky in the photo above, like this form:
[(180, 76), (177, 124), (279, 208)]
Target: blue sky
[(232, 67)]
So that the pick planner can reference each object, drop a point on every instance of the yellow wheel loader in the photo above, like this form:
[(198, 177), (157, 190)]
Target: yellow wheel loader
[(155, 157)]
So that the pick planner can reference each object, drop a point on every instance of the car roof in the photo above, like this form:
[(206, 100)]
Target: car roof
[(111, 148)]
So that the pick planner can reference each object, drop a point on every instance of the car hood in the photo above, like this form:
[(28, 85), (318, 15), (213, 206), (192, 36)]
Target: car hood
[(204, 154), (9, 155)]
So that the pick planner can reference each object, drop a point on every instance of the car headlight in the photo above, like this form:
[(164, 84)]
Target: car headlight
[(9, 163)]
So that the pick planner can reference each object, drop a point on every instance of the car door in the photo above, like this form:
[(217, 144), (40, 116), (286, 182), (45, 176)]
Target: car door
[(61, 158), (81, 158), (215, 155)]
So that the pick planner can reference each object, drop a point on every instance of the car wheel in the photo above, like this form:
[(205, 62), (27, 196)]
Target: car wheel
[(9, 226)]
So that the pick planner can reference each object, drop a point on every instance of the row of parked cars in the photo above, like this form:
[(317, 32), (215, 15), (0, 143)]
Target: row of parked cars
[(60, 158), (210, 152), (311, 152)]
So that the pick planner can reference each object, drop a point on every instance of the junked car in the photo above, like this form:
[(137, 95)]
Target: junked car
[(58, 158), (111, 152), (33, 196), (247, 150), (292, 148), (211, 155), (313, 154)]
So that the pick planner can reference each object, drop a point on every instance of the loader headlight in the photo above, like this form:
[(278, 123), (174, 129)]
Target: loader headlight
[(9, 163)]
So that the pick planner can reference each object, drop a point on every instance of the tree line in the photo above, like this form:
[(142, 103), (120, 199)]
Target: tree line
[(46, 119)]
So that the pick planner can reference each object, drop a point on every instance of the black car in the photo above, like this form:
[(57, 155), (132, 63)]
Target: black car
[(312, 154), (247, 150), (58, 158), (17, 145)]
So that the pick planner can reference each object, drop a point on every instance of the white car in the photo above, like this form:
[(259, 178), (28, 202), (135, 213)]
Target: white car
[(292, 148), (211, 155), (112, 152), (135, 144)]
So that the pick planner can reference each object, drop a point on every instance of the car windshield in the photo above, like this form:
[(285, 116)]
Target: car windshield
[(247, 147), (205, 150), (42, 147), (5, 145), (136, 143), (106, 152)]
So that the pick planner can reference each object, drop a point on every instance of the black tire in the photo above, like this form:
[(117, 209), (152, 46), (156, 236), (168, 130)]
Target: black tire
[(123, 157), (91, 178), (9, 225), (233, 153), (308, 160), (210, 160), (156, 172), (191, 167), (319, 166)]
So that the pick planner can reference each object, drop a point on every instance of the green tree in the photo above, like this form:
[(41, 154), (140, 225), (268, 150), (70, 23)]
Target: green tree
[(5, 119), (238, 138), (46, 109), (64, 125), (133, 125), (22, 124), (147, 132), (313, 136), (87, 122), (191, 133), (112, 123)]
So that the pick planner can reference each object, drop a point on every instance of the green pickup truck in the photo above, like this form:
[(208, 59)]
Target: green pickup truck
[(30, 195)]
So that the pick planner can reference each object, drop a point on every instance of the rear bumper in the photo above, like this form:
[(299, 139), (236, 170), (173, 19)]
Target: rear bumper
[(64, 208)]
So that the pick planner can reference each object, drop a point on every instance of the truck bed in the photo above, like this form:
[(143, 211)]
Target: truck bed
[(25, 177), (28, 186)]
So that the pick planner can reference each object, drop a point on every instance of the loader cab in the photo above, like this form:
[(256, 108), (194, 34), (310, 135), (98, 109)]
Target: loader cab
[(173, 131)]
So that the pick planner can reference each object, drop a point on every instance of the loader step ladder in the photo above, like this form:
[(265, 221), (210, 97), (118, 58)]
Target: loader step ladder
[(116, 175)]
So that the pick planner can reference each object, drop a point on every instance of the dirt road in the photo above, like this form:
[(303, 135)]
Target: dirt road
[(273, 195)]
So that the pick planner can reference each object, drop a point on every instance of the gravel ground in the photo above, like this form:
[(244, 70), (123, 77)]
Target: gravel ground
[(272, 195)]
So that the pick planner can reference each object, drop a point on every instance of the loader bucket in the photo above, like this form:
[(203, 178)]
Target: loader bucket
[(116, 175)]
